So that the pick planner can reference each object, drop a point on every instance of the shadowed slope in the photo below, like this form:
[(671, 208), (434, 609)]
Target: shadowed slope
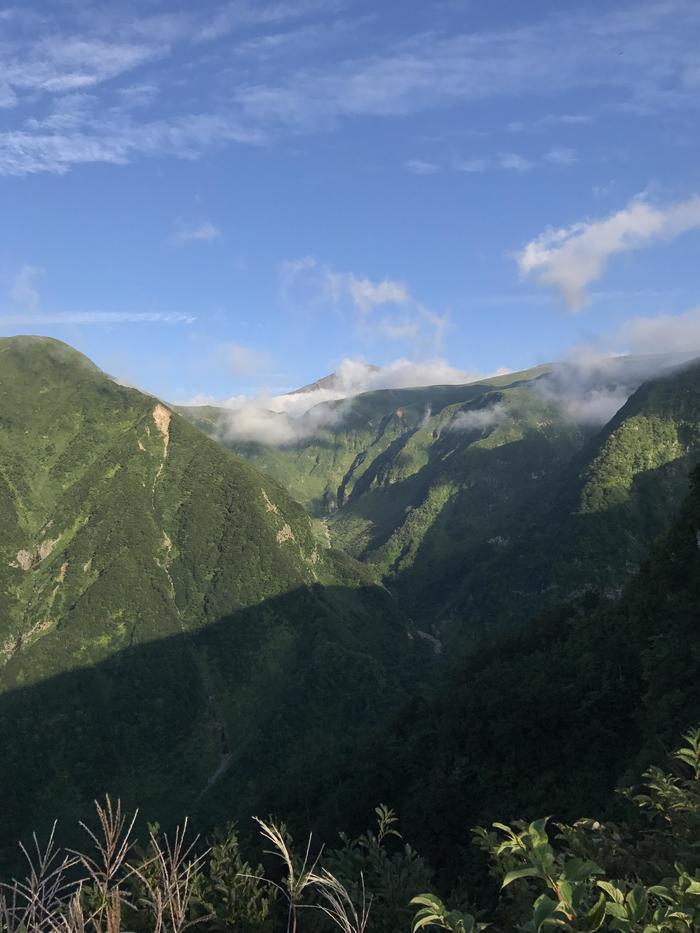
[(163, 606)]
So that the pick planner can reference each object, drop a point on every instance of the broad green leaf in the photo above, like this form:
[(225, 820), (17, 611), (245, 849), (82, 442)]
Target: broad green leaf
[(612, 891), (593, 919), (536, 831), (577, 869), (637, 903), (618, 911), (427, 900), (543, 910), (517, 873)]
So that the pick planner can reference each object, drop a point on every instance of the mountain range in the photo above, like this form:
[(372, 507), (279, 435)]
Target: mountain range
[(414, 601)]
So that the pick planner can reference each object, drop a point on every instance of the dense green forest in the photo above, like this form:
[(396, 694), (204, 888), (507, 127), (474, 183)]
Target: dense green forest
[(491, 624), (446, 491), (163, 609)]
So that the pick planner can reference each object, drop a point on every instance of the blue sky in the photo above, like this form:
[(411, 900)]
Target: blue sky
[(217, 198)]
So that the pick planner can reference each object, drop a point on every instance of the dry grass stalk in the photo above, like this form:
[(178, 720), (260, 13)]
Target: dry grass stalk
[(296, 881), (339, 905), (168, 878), (32, 904)]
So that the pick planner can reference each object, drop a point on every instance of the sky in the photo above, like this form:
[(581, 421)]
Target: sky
[(216, 199)]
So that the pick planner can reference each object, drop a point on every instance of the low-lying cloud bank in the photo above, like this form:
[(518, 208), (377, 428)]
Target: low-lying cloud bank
[(588, 387), (284, 419), (478, 419), (591, 386)]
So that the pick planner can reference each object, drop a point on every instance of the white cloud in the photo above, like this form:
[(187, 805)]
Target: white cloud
[(202, 233), (239, 14), (59, 63), (591, 385), (74, 49), (137, 95), (561, 156), (367, 294), (286, 419), (513, 162), (383, 307), (98, 317), (550, 119), (478, 419), (595, 407), (24, 292), (419, 167), (570, 259), (663, 333), (471, 165)]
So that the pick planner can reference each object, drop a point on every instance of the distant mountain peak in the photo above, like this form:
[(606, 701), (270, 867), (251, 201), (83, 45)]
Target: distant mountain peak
[(333, 382)]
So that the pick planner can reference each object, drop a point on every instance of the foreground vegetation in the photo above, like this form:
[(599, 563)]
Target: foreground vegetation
[(639, 875)]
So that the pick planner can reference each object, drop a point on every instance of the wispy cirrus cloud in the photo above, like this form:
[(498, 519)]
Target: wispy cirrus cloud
[(96, 317), (562, 155), (569, 259), (240, 14), (383, 307), (204, 232), (126, 57), (420, 167)]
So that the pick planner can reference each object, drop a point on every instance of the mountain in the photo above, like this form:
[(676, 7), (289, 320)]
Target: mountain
[(332, 382), (549, 718), (446, 492), (555, 716), (164, 609), (176, 629)]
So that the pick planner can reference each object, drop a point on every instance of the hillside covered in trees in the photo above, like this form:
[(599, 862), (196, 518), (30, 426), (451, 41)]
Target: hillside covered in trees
[(177, 633)]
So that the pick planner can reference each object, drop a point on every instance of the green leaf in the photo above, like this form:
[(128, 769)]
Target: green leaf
[(527, 872), (577, 869), (425, 918), (637, 903), (544, 908), (618, 911), (593, 919), (427, 900), (565, 893), (536, 831), (612, 891)]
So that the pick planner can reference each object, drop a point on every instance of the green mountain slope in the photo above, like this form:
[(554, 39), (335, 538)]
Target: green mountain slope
[(159, 598), (321, 470), (598, 695), (478, 505), (550, 718)]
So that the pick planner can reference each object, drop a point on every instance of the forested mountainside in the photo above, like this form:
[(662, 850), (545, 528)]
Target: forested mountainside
[(549, 719), (164, 608), (175, 630), (446, 492)]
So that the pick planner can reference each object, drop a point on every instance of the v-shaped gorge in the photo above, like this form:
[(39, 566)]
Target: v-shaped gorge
[(479, 505), (175, 628), (167, 615)]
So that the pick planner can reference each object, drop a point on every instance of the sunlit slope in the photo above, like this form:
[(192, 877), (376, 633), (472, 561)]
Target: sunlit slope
[(321, 470), (121, 523), (160, 600), (479, 504), (584, 531)]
